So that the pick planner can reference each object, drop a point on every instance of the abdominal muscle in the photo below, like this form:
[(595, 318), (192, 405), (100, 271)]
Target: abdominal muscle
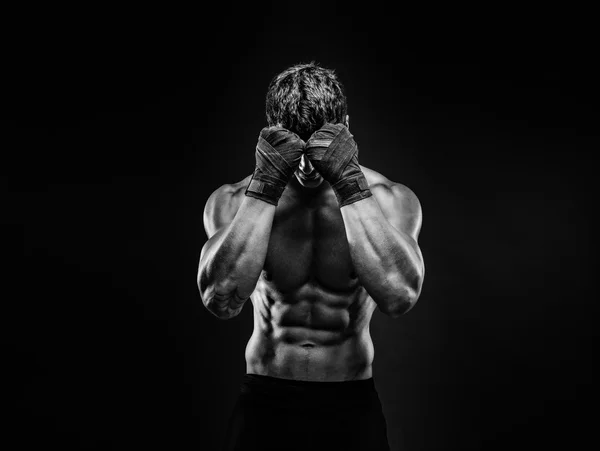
[(312, 334)]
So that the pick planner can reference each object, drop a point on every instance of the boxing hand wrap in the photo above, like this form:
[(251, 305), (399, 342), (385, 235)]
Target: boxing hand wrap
[(334, 153), (278, 153)]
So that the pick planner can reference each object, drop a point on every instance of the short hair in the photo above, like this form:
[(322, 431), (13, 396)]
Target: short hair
[(304, 97)]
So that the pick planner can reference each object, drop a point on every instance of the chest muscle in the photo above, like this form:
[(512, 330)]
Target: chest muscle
[(309, 245)]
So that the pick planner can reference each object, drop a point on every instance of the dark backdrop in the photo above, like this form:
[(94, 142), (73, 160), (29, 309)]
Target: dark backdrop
[(120, 124)]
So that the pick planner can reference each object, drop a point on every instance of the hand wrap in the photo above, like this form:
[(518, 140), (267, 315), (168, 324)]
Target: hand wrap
[(278, 153), (334, 153)]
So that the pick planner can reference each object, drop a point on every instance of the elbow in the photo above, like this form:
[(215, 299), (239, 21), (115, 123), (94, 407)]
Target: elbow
[(403, 300), (219, 305), (221, 311), (399, 306), (205, 289)]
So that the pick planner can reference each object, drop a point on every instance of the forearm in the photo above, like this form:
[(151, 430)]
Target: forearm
[(387, 261), (232, 260)]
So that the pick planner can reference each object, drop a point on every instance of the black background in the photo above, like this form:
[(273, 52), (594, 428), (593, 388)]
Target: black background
[(119, 125)]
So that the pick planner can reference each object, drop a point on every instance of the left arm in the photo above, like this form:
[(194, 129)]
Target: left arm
[(382, 222), (382, 232)]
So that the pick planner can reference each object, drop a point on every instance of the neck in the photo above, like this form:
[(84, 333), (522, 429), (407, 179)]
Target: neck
[(304, 191)]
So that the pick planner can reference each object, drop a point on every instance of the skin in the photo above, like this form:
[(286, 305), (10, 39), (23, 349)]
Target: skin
[(314, 273)]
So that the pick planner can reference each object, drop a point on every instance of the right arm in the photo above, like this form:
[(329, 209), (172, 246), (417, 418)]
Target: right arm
[(238, 232), (232, 259)]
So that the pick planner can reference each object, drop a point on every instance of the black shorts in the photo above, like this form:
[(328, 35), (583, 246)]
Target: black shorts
[(283, 414)]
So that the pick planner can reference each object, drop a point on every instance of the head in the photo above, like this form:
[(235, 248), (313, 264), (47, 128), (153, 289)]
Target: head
[(302, 99)]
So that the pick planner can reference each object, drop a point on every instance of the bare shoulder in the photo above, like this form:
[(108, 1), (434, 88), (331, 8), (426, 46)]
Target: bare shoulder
[(398, 202), (382, 185), (223, 204)]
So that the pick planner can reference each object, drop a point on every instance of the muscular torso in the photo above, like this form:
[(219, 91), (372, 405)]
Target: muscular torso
[(311, 315)]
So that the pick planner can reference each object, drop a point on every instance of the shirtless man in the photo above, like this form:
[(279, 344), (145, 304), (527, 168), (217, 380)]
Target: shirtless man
[(316, 242)]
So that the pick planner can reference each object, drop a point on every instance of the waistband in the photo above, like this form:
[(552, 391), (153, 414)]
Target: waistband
[(279, 392)]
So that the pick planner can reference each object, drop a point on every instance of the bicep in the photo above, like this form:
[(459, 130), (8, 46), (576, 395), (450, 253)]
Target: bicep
[(401, 207), (218, 214), (218, 211)]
